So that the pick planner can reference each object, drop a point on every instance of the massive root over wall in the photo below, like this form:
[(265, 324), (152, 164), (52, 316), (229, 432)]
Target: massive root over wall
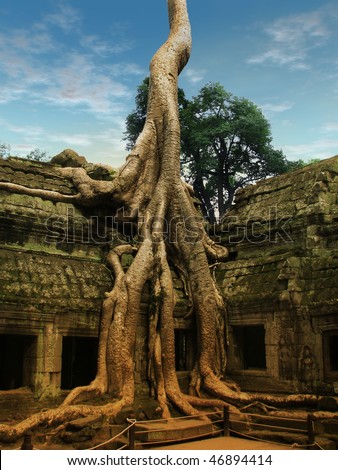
[(149, 189)]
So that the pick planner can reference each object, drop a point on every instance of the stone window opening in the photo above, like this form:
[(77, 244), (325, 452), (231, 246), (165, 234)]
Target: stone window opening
[(333, 352), (79, 361), (17, 360), (330, 343), (233, 255), (250, 346)]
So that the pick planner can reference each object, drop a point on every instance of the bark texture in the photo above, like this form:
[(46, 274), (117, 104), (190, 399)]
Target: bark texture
[(152, 194)]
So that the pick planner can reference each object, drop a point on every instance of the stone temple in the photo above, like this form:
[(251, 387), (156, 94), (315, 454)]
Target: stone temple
[(280, 284)]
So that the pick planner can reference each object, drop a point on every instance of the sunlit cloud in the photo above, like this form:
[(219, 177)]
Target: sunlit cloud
[(126, 69), (66, 18), (103, 48), (26, 130), (72, 140), (194, 76), (79, 83), (36, 68), (321, 148), (276, 107), (330, 127), (292, 38)]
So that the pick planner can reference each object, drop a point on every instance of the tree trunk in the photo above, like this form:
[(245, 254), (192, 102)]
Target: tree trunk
[(207, 209), (220, 185)]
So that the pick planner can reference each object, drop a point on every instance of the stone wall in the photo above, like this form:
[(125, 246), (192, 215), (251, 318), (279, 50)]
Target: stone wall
[(283, 277)]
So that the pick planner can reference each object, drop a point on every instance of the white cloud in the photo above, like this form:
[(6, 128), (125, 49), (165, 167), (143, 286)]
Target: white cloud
[(102, 48), (31, 137), (330, 127), (66, 18), (72, 140), (37, 66), (194, 75), (78, 82), (41, 72), (276, 107), (126, 69), (26, 131), (321, 148), (27, 41), (74, 82), (299, 28), (21, 150), (294, 59), (292, 38)]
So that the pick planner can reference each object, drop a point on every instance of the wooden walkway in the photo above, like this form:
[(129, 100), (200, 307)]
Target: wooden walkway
[(226, 443)]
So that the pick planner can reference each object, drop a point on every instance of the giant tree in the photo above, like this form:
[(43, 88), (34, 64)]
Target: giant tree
[(149, 188)]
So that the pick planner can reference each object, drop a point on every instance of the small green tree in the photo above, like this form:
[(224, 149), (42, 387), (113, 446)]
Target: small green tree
[(136, 119), (5, 150), (301, 163), (38, 155)]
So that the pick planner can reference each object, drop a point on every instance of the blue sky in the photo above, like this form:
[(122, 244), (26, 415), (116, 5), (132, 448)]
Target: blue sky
[(70, 69)]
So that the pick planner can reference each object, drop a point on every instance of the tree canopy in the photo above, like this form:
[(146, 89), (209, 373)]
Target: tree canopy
[(226, 143)]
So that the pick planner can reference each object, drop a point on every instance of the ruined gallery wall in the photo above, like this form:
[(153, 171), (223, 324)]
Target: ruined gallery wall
[(283, 278)]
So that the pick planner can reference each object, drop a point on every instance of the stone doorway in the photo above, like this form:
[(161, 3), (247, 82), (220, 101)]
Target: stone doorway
[(330, 350), (79, 361), (250, 342), (17, 361)]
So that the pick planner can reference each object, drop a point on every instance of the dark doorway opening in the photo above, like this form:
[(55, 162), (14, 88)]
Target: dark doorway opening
[(330, 355), (184, 352), (79, 361), (333, 351), (250, 341), (17, 361)]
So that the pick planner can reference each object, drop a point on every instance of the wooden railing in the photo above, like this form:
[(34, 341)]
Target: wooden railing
[(221, 425)]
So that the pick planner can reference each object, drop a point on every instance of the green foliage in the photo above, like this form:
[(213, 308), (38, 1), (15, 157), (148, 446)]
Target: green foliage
[(5, 150), (225, 144), (135, 120), (38, 155), (301, 163)]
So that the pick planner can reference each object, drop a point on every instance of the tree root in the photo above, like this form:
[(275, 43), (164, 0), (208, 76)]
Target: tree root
[(55, 417)]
